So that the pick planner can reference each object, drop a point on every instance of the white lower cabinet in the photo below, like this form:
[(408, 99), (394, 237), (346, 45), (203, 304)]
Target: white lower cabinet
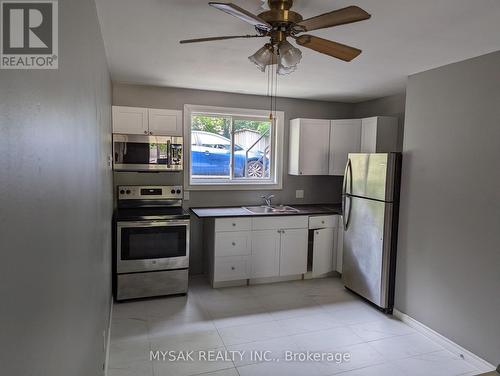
[(265, 258), (323, 251), (231, 268), (236, 243), (293, 251), (253, 248)]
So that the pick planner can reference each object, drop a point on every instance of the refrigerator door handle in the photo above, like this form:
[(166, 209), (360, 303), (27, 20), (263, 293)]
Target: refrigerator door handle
[(343, 212), (347, 219), (347, 174)]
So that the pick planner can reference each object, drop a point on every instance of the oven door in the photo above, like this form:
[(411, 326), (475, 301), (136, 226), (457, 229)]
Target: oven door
[(152, 245), (147, 153)]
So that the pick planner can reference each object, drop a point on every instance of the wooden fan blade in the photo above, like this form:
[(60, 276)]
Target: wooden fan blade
[(328, 47), (242, 14), (218, 38), (337, 17)]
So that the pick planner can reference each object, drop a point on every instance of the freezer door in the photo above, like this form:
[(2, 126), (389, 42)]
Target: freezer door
[(371, 175), (367, 249)]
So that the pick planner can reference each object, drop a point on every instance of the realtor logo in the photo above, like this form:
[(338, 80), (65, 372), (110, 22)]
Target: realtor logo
[(29, 34)]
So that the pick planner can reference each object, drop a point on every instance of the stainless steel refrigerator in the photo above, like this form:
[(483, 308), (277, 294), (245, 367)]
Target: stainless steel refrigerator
[(370, 202)]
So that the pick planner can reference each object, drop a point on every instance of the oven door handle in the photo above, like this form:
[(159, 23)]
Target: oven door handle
[(167, 223)]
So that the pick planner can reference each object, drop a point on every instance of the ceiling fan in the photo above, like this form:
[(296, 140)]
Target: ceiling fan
[(279, 23)]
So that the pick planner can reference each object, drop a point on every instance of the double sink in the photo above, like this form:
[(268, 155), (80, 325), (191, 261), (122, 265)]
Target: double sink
[(273, 209)]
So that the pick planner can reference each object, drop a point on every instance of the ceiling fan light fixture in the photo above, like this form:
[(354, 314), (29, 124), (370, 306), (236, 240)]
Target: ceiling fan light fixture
[(290, 56), (282, 70), (263, 57)]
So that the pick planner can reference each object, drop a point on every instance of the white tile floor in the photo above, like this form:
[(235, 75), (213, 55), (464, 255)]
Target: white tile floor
[(315, 315)]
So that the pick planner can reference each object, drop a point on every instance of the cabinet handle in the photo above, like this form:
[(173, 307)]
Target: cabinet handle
[(145, 132), (232, 268), (234, 224), (282, 231), (150, 133), (234, 244), (317, 232), (322, 222)]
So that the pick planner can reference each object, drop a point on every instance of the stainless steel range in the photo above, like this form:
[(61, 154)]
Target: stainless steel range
[(151, 242)]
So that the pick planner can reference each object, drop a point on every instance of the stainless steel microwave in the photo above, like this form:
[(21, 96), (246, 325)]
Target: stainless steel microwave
[(147, 153)]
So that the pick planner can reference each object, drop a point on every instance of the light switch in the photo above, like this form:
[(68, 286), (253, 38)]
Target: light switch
[(299, 193), (186, 195)]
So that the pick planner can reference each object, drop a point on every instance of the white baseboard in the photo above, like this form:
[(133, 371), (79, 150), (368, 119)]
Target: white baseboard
[(108, 340), (481, 364)]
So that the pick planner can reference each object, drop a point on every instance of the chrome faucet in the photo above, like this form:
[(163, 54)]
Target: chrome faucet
[(267, 200)]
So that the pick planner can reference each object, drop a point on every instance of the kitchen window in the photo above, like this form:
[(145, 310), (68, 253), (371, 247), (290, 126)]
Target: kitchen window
[(232, 148)]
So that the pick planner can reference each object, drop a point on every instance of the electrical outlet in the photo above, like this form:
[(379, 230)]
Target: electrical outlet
[(186, 195), (299, 193)]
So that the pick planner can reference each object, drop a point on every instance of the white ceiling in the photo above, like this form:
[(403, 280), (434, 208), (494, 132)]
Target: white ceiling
[(402, 37)]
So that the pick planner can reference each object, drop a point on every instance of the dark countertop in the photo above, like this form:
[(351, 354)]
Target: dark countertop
[(238, 211)]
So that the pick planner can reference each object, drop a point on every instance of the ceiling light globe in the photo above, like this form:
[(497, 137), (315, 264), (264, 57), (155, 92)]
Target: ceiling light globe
[(263, 57), (290, 56), (282, 70)]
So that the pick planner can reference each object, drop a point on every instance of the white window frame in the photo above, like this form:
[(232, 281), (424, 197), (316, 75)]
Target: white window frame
[(276, 168)]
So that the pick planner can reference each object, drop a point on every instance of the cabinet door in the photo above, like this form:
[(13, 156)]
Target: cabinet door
[(309, 147), (369, 135), (323, 251), (165, 122), (130, 120), (345, 138), (314, 147), (293, 252), (265, 257)]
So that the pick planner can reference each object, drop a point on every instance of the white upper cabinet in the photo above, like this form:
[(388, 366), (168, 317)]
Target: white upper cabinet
[(148, 121), (345, 138), (130, 120), (165, 122), (379, 135), (309, 147), (320, 147)]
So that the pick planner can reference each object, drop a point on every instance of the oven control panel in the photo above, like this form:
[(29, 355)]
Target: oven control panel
[(161, 192)]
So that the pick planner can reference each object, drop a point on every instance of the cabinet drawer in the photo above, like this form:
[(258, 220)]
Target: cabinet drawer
[(233, 224), (280, 222), (234, 243), (231, 268), (323, 221)]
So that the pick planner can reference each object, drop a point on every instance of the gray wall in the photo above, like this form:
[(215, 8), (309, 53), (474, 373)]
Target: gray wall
[(55, 209), (318, 189), (448, 272)]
